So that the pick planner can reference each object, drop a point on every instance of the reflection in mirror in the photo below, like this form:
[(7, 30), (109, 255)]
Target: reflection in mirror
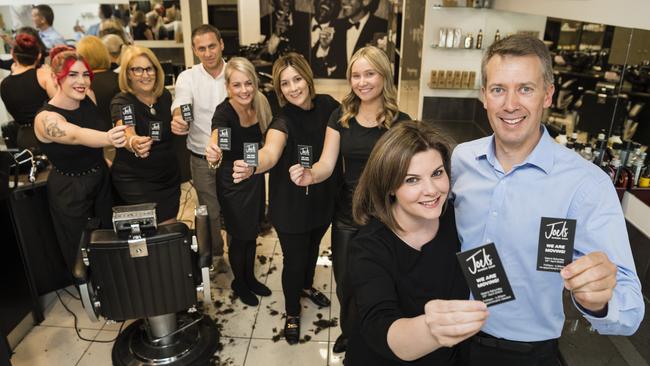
[(155, 20)]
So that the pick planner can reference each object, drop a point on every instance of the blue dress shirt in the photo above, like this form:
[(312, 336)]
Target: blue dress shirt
[(506, 209), (51, 38)]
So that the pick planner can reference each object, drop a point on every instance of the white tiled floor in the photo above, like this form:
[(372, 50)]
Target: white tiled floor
[(250, 335)]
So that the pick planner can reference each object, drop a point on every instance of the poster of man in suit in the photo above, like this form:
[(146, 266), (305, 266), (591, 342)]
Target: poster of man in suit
[(326, 32)]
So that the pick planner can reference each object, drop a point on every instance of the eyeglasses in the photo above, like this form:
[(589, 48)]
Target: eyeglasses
[(139, 71)]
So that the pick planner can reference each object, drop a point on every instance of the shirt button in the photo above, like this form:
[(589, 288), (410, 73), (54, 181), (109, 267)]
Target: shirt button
[(488, 240), (494, 213)]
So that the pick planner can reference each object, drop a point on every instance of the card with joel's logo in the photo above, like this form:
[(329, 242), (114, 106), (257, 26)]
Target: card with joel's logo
[(305, 156), (223, 139), (154, 130), (186, 113), (555, 246), (128, 116), (485, 275), (250, 153)]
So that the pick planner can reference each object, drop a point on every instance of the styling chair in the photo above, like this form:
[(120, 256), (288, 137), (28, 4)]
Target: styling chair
[(151, 273)]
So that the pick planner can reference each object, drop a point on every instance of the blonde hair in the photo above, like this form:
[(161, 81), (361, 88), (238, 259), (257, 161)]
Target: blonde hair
[(95, 52), (301, 66), (260, 103), (131, 53), (350, 104), (387, 167), (114, 45)]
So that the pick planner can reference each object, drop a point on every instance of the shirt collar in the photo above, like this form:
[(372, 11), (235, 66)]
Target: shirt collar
[(221, 74), (541, 156)]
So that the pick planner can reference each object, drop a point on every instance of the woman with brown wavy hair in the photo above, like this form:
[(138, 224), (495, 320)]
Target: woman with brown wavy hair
[(366, 113)]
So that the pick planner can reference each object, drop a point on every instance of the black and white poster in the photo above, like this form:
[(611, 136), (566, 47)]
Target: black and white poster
[(326, 32)]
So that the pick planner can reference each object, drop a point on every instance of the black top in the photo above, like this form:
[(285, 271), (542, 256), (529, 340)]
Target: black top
[(75, 158), (105, 86), (391, 280), (23, 96), (226, 116), (355, 146), (138, 32), (291, 209), (161, 164)]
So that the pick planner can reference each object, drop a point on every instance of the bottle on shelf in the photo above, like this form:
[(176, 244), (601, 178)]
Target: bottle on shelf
[(561, 137), (497, 36), (638, 167), (644, 179), (587, 154), (469, 41), (479, 39), (614, 169)]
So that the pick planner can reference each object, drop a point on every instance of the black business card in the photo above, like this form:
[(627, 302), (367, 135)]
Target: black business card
[(305, 155), (555, 246), (186, 113), (485, 275), (154, 130), (250, 153), (223, 139), (128, 115)]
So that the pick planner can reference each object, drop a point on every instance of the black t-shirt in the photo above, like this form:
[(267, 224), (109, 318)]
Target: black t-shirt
[(23, 96), (391, 280), (292, 209), (106, 87), (356, 143), (226, 116), (162, 162), (76, 158)]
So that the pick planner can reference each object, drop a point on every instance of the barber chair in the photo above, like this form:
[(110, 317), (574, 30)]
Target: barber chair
[(151, 273)]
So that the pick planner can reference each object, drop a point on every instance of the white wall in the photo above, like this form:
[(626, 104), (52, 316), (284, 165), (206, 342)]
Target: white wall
[(470, 20), (248, 12), (624, 13)]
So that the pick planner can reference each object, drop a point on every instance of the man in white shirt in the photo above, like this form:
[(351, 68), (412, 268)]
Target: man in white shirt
[(204, 87)]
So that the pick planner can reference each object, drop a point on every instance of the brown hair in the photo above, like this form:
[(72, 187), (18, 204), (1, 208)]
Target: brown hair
[(301, 66), (131, 53), (203, 29), (95, 52), (387, 167), (350, 104), (520, 45)]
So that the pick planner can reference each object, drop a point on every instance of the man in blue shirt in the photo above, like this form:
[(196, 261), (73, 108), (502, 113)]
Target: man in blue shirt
[(505, 183), (43, 18)]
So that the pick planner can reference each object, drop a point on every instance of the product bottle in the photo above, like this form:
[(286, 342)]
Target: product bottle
[(574, 137), (614, 170), (497, 36), (587, 154), (479, 39), (638, 168), (469, 41), (600, 149), (644, 179), (561, 137), (626, 176)]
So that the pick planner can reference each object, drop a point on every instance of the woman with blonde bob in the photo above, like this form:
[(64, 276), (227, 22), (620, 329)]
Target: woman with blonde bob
[(247, 114), (146, 170), (300, 216), (407, 286), (366, 113), (105, 84)]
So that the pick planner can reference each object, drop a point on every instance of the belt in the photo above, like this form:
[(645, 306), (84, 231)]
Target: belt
[(487, 340), (79, 174), (197, 155)]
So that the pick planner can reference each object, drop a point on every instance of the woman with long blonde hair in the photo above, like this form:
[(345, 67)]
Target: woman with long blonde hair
[(366, 113), (247, 114)]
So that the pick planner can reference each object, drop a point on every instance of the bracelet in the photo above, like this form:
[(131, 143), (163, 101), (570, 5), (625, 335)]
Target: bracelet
[(214, 165), (130, 144)]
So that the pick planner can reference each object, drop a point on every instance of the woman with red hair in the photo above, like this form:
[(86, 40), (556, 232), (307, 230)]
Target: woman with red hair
[(28, 88), (69, 129)]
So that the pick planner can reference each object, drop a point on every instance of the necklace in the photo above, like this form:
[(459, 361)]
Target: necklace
[(152, 110)]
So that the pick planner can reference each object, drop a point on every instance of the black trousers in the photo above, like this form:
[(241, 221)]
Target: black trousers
[(300, 252), (342, 234), (484, 350), (242, 260), (73, 200)]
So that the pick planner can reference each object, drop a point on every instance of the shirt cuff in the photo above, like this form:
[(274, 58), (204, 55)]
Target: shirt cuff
[(600, 323), (321, 53)]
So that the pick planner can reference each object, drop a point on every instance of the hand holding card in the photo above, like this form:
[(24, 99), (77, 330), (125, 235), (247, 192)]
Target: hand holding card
[(452, 321), (591, 280)]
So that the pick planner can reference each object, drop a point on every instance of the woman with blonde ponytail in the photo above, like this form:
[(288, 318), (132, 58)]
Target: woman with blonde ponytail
[(366, 113), (247, 113)]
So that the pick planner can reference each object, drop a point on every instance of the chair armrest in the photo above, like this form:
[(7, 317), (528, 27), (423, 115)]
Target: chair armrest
[(203, 236)]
